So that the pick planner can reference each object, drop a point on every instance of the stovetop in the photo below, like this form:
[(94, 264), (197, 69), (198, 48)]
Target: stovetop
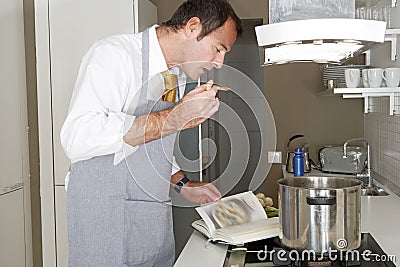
[(269, 252)]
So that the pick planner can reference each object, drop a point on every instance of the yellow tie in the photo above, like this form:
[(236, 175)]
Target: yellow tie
[(170, 81)]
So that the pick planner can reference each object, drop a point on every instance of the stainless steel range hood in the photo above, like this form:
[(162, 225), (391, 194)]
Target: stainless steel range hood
[(332, 40)]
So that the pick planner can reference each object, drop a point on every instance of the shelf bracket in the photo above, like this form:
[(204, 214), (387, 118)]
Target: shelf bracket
[(392, 109), (394, 102), (368, 57), (366, 104), (393, 45), (392, 92), (366, 100)]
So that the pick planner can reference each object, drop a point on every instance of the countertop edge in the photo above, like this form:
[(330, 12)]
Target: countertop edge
[(199, 253)]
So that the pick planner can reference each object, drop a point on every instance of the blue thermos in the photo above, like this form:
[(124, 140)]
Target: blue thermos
[(298, 162)]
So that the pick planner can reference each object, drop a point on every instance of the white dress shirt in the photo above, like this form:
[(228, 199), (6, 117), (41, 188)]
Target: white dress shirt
[(106, 93)]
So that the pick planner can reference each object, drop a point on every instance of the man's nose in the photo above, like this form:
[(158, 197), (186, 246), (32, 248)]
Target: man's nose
[(219, 61)]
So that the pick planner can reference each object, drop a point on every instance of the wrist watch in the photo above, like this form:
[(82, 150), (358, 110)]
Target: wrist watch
[(180, 184)]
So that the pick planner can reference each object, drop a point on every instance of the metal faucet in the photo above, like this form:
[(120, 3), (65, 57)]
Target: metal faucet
[(366, 175)]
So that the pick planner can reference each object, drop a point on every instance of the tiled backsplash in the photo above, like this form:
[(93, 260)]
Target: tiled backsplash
[(383, 133), (381, 129)]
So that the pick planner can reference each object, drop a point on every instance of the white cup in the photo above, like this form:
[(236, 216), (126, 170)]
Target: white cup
[(352, 77), (391, 76), (375, 77), (365, 77)]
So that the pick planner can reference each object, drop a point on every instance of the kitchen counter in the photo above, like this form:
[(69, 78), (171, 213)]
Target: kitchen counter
[(380, 216)]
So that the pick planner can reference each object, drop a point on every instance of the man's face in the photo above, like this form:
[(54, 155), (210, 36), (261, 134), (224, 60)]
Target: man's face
[(209, 52)]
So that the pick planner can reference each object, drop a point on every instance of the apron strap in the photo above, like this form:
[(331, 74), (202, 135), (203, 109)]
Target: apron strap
[(143, 107)]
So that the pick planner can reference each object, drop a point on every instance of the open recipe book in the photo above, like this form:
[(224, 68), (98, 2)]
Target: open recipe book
[(236, 219)]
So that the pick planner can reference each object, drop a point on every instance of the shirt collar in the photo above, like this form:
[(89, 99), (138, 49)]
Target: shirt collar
[(157, 63)]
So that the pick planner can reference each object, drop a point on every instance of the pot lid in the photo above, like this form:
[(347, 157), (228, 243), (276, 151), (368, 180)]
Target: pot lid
[(333, 40)]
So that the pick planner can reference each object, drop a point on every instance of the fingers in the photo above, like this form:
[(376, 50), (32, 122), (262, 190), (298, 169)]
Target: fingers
[(215, 191), (211, 193), (204, 88), (203, 199), (214, 106), (202, 192), (209, 85)]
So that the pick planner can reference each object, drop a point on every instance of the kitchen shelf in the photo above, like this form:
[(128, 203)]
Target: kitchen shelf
[(392, 92)]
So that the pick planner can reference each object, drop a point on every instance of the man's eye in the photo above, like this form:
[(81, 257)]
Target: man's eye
[(218, 51)]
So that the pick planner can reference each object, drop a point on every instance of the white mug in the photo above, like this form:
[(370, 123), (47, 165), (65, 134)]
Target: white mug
[(352, 77), (365, 77), (375, 77), (391, 76)]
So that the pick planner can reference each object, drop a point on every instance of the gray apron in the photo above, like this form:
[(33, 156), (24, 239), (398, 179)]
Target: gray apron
[(120, 215)]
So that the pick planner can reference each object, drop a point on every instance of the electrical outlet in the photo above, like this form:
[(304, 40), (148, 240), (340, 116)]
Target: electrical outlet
[(274, 157)]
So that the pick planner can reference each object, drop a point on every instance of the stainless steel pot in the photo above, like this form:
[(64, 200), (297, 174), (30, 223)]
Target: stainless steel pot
[(320, 213)]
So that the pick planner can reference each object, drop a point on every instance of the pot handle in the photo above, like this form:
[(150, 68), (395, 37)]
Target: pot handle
[(321, 200)]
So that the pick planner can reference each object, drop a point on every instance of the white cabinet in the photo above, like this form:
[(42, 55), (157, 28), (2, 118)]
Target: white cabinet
[(65, 29), (15, 226), (12, 237), (74, 26), (14, 164)]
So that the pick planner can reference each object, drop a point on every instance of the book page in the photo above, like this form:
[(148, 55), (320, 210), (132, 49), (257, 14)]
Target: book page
[(233, 210), (252, 228), (253, 231)]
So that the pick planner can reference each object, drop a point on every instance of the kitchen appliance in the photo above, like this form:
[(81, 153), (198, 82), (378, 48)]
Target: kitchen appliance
[(320, 213), (290, 154), (322, 32), (332, 40), (271, 252), (332, 161)]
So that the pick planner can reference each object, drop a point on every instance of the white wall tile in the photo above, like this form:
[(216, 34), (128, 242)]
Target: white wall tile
[(383, 133)]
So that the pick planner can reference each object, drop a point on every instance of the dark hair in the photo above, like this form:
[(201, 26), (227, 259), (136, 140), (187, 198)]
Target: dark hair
[(212, 14)]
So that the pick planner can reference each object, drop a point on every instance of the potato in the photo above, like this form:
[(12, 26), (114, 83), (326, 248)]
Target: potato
[(261, 200), (268, 202), (260, 195)]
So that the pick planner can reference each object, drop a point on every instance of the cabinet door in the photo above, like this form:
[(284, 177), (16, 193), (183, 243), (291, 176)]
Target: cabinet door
[(74, 27), (12, 241), (13, 116)]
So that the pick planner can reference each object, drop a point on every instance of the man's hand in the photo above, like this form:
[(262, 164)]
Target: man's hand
[(194, 108), (199, 192)]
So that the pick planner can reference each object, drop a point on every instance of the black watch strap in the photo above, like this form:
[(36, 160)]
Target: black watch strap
[(180, 184)]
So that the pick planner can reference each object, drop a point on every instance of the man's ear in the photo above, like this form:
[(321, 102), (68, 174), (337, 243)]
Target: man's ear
[(193, 27)]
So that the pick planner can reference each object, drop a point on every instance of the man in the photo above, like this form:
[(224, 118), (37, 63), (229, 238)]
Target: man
[(119, 211)]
